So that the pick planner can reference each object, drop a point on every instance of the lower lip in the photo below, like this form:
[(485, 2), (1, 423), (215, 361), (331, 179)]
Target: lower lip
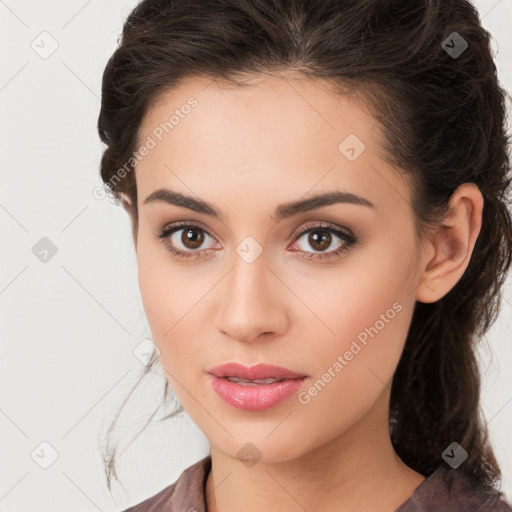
[(255, 398)]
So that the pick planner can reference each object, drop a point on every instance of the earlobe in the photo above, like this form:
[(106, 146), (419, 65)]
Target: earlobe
[(451, 245)]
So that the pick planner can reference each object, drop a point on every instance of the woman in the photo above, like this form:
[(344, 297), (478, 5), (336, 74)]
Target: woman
[(317, 197)]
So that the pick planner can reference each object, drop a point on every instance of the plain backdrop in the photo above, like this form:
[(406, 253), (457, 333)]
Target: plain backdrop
[(72, 318)]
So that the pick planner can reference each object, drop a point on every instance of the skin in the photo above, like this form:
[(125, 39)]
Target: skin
[(246, 150)]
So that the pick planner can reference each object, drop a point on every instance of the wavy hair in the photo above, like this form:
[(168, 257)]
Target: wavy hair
[(443, 117)]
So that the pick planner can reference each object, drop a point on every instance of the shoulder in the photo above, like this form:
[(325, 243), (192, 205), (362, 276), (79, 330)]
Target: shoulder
[(447, 490), (187, 492), (159, 501)]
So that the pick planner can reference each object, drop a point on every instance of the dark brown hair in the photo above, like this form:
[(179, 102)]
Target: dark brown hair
[(443, 120)]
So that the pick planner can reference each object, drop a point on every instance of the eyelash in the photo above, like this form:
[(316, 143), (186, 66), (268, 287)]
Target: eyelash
[(164, 233)]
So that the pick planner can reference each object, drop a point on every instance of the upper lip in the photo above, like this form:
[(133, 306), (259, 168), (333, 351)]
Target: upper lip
[(259, 371)]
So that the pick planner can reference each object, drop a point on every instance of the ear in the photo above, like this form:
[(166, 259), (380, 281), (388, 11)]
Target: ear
[(129, 208), (448, 251)]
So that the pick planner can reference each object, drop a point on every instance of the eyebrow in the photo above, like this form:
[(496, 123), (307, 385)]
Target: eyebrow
[(282, 211)]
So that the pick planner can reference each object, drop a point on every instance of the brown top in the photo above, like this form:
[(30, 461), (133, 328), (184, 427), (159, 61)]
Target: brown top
[(443, 491)]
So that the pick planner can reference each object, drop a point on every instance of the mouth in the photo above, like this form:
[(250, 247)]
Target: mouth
[(259, 387), (252, 382), (258, 374)]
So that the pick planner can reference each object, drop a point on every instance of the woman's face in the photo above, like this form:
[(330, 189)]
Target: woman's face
[(333, 304)]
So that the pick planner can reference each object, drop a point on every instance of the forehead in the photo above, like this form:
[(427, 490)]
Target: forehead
[(272, 135), (276, 109)]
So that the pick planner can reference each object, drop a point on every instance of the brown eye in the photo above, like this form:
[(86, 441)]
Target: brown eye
[(185, 240), (319, 242), (320, 238), (192, 238)]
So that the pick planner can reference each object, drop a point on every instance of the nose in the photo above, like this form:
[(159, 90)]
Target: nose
[(252, 303)]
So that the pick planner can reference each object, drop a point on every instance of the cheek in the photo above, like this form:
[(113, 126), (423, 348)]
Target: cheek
[(171, 300), (163, 292), (354, 367), (365, 315), (345, 301), (156, 291)]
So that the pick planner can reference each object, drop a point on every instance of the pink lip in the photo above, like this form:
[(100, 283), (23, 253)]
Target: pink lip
[(257, 397)]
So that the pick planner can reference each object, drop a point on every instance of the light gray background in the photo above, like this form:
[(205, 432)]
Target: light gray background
[(70, 325)]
